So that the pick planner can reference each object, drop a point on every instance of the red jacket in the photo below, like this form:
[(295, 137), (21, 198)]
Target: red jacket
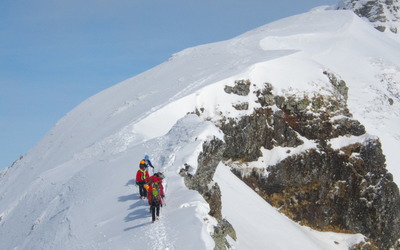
[(139, 175), (152, 180)]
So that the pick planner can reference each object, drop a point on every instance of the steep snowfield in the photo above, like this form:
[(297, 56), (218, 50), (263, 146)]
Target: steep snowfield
[(75, 189)]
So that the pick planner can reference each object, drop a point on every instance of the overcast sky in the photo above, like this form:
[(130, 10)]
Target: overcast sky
[(54, 54)]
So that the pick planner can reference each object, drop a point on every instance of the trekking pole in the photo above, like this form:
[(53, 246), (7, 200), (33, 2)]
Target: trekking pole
[(163, 201), (136, 187)]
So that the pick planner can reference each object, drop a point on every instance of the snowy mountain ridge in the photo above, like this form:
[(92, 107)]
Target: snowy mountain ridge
[(384, 15), (75, 189)]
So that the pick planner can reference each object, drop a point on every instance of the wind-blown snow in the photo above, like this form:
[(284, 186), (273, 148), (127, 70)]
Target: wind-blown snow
[(75, 189)]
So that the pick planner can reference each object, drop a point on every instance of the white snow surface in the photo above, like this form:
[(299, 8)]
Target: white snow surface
[(380, 13), (75, 189)]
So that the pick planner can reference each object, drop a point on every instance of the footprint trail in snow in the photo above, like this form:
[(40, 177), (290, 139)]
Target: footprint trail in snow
[(157, 233)]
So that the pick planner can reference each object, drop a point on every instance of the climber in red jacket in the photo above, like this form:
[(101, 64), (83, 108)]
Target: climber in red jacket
[(155, 194), (142, 177)]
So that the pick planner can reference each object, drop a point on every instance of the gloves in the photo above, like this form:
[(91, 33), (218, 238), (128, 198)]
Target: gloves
[(137, 183), (162, 196)]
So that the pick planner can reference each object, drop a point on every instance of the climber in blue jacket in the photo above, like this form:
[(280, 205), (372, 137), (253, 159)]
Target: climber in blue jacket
[(146, 163)]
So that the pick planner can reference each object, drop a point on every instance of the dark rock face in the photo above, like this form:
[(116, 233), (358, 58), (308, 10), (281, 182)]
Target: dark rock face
[(208, 161), (342, 190), (347, 190), (241, 88), (252, 133)]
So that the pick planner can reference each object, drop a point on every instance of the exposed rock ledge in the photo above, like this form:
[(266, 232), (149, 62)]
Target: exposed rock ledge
[(341, 190), (202, 181)]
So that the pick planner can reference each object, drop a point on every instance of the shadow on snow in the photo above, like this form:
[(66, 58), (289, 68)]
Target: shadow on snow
[(137, 226), (139, 212)]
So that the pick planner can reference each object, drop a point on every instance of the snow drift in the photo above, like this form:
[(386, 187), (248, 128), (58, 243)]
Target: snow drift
[(75, 189)]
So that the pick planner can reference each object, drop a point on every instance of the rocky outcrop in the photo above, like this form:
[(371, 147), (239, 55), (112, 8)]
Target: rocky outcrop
[(252, 133), (383, 14), (202, 181), (347, 190), (344, 189), (241, 87)]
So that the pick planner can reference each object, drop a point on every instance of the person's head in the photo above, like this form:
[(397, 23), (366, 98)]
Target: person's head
[(146, 157), (142, 164), (161, 175)]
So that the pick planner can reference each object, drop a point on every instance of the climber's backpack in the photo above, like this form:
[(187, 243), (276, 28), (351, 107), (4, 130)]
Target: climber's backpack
[(155, 192)]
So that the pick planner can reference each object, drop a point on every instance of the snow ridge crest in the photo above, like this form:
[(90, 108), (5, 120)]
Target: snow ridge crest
[(383, 14)]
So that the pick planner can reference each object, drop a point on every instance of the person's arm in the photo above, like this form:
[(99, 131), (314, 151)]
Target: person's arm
[(150, 181), (149, 162), (162, 190), (137, 177)]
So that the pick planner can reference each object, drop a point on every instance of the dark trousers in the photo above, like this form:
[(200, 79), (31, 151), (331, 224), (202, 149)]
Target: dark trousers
[(155, 210), (142, 190)]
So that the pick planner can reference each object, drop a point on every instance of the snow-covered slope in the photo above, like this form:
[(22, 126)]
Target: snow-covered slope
[(383, 15), (75, 189)]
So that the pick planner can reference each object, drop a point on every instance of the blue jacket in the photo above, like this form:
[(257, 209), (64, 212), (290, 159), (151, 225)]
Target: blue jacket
[(148, 163)]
